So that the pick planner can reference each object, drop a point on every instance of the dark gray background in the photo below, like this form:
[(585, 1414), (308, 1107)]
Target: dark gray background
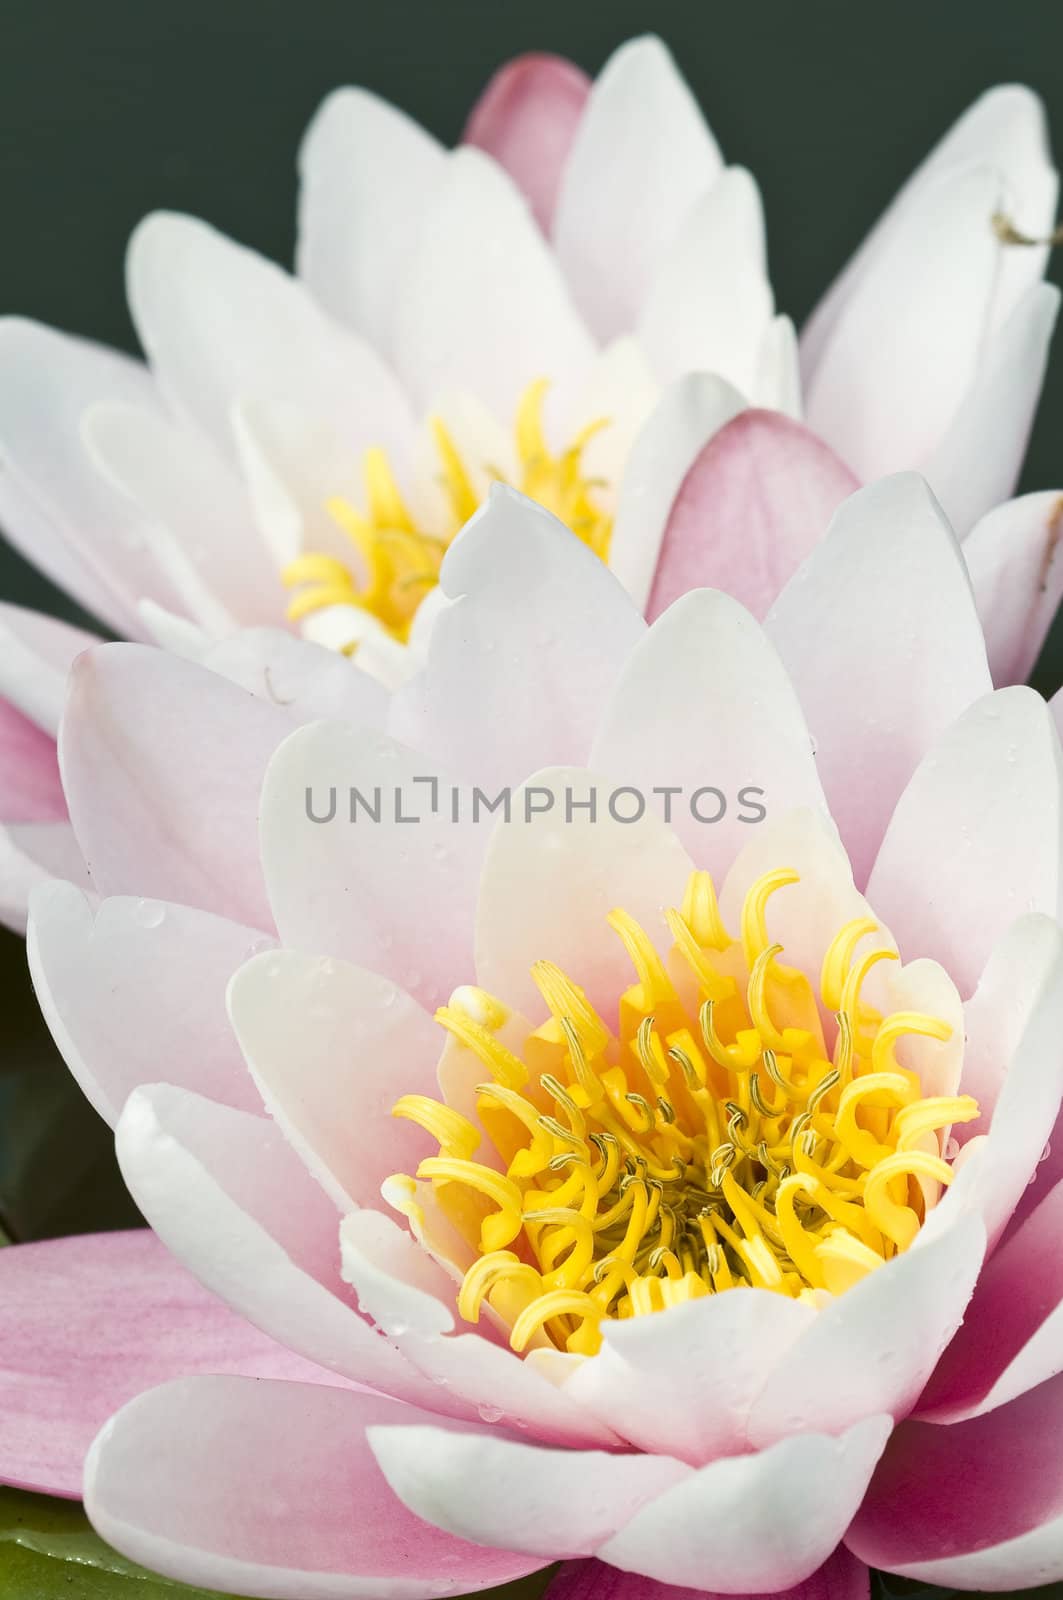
[(110, 108)]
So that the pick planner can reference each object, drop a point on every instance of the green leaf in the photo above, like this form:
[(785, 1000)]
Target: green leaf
[(49, 1551)]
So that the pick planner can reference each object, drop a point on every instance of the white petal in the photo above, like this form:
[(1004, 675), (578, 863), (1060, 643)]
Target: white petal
[(977, 836), (704, 704), (754, 1524), (1013, 558), (710, 304), (36, 654), (516, 675), (364, 860), (641, 160), (367, 175), (484, 305), (879, 631), (977, 463)]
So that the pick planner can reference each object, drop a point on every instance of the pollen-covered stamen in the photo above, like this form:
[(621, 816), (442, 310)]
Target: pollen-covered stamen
[(400, 561), (714, 1140)]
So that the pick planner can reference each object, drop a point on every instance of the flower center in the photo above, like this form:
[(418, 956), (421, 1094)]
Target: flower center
[(713, 1141), (401, 560)]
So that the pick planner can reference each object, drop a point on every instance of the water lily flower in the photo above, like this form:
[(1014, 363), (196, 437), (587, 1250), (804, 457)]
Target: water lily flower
[(576, 301), (701, 1239)]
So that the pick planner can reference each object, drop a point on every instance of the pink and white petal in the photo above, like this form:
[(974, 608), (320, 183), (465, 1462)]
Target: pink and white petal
[(841, 1577), (755, 502), (198, 517), (708, 663), (872, 1349), (526, 118), (1015, 977), (566, 870), (516, 676), (162, 763), (387, 1271), (1010, 1338), (525, 1497), (710, 303), (777, 384), (342, 808), (483, 305), (204, 1508), (682, 1383), (36, 654), (993, 1174), (231, 1199), (976, 837), (30, 854), (318, 1034), (1012, 554), (977, 463), (975, 1505), (641, 160), (886, 404), (58, 510), (303, 678), (879, 632), (163, 970), (366, 174), (220, 323), (689, 413), (30, 788), (1005, 129), (87, 1323), (756, 1523)]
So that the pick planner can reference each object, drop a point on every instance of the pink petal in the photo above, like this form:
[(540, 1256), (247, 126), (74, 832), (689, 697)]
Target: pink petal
[(1010, 1338), (526, 118), (231, 1199), (756, 1523), (755, 502), (976, 1505), (319, 1034), (163, 762), (687, 416), (505, 1493), (85, 1324), (704, 704), (403, 881), (976, 837), (882, 641), (272, 1489), (163, 970), (1016, 569), (526, 589), (36, 654), (841, 1577), (30, 854), (30, 788)]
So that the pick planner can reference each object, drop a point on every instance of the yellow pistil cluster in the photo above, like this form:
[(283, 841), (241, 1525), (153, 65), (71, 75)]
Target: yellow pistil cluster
[(713, 1141), (401, 561)]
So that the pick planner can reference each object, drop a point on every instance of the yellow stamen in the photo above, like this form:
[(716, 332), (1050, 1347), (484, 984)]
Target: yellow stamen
[(399, 561), (706, 1144)]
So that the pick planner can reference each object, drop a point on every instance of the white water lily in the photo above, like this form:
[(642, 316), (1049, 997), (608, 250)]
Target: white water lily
[(575, 300)]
